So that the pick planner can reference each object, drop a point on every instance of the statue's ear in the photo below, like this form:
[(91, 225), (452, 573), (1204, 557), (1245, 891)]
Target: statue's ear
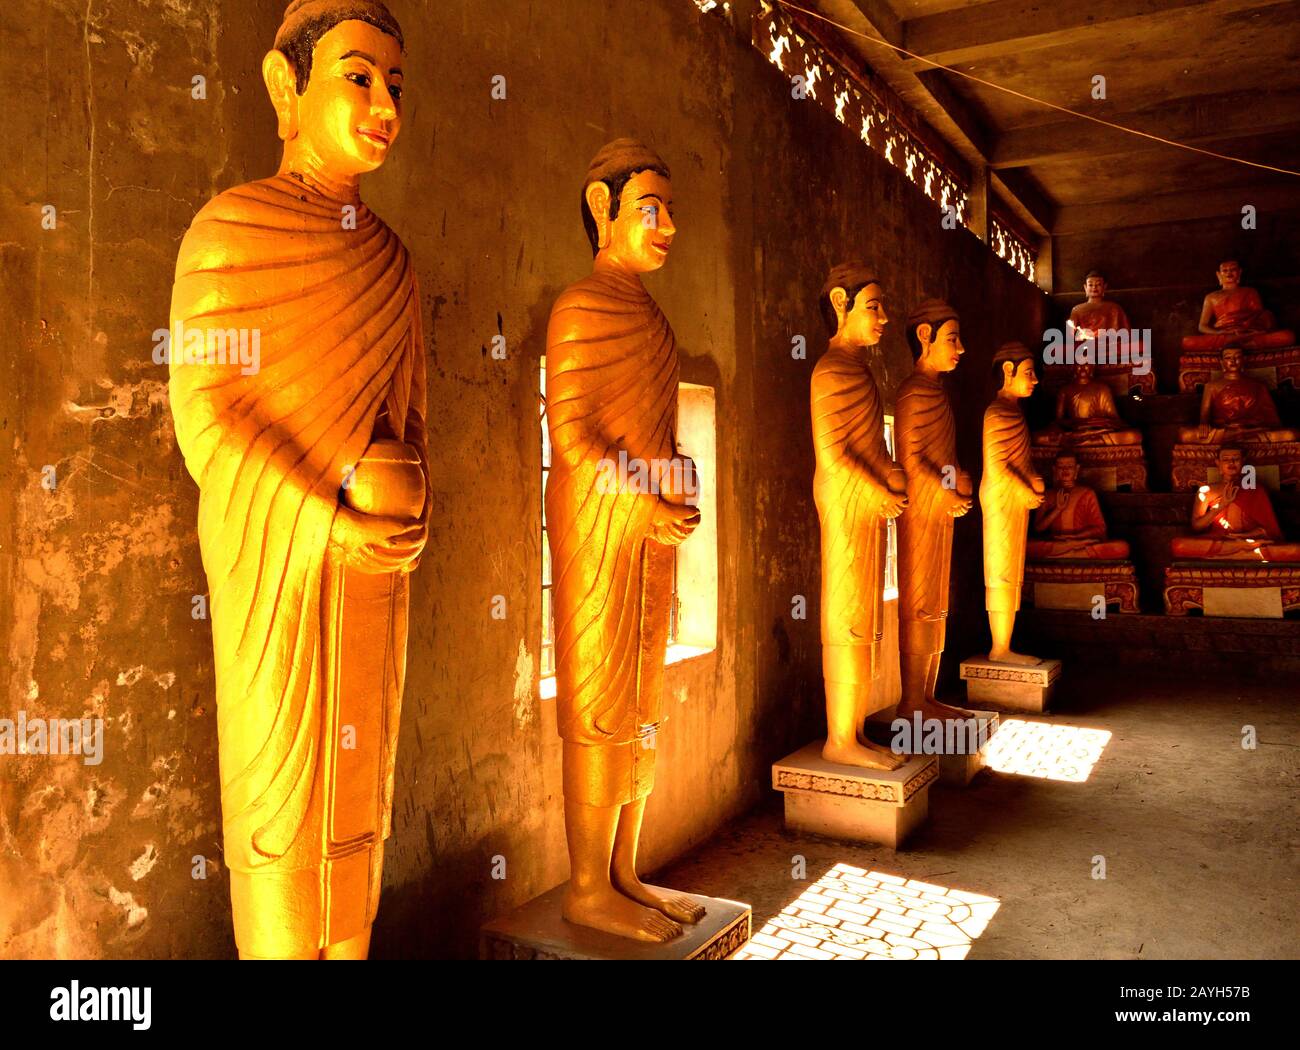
[(1008, 371), (598, 196), (282, 86), (924, 333), (840, 303)]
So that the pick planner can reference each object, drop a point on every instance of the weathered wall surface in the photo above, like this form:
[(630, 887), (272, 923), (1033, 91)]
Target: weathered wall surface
[(97, 577)]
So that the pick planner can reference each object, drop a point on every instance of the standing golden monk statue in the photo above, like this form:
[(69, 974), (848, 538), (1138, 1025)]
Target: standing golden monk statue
[(1009, 490), (309, 453), (857, 488), (938, 491), (611, 384)]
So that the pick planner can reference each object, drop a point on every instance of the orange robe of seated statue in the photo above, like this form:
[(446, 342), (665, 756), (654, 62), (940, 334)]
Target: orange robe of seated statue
[(852, 475), (1241, 406), (1240, 308), (1103, 316), (1081, 513), (304, 647), (611, 386), (1086, 414), (1245, 530)]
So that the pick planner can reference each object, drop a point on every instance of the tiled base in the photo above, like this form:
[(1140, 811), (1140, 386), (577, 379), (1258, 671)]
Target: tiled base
[(537, 930), (846, 802), (1010, 687)]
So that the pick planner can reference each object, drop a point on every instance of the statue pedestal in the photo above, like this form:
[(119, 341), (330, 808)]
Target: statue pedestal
[(1232, 588), (537, 930), (1066, 584), (1271, 367), (1106, 468), (960, 770), (1011, 687), (1276, 464), (847, 802)]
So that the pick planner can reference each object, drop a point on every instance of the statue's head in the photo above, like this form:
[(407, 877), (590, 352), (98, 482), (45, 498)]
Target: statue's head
[(335, 79), (1013, 369), (1065, 471), (1229, 274), (934, 334), (627, 206), (852, 303), (1230, 361), (1094, 285), (1083, 372), (1230, 459)]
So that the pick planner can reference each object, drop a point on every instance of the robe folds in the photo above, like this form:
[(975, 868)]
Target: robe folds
[(849, 486), (611, 385), (1005, 490), (1082, 511), (1104, 316), (304, 648), (1240, 308), (1250, 513), (927, 446)]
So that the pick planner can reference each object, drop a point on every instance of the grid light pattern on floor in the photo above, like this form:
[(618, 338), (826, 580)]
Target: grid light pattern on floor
[(1047, 750), (851, 913)]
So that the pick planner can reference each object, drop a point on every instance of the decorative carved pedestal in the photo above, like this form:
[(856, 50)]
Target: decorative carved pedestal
[(1107, 468), (537, 930), (845, 802), (1066, 584), (960, 770), (1010, 686), (1119, 378), (1276, 465), (1271, 367), (1232, 589)]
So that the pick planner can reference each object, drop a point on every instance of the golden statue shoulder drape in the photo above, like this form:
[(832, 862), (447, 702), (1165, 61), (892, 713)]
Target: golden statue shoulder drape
[(336, 314), (611, 382)]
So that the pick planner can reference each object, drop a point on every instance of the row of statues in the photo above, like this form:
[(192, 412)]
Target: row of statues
[(315, 499)]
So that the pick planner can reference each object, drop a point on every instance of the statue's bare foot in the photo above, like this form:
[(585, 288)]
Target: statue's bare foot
[(673, 904), (608, 910), (1009, 657), (931, 708), (867, 755)]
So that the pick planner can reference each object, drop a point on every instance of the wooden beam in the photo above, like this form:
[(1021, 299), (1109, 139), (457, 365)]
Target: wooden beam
[(1022, 193), (969, 34), (1198, 119), (1267, 198)]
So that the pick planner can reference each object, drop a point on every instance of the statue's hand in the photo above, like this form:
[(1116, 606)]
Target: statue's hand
[(375, 544), (673, 522)]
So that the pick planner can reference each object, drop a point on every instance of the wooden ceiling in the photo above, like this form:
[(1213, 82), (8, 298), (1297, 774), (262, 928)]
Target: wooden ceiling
[(1223, 75)]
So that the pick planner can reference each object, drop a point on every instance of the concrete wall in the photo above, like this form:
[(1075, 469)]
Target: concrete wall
[(97, 578)]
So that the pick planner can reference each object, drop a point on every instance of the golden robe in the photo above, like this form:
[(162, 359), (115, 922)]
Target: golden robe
[(1005, 490), (1104, 316), (611, 386), (927, 444), (849, 486), (342, 360)]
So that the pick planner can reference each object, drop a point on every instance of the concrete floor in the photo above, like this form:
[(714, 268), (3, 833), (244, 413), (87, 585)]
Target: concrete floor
[(1200, 837)]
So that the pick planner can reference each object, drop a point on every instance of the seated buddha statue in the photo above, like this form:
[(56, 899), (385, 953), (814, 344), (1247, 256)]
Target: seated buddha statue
[(1086, 415), (1235, 316), (1069, 523), (1097, 314), (1235, 408), (1233, 522)]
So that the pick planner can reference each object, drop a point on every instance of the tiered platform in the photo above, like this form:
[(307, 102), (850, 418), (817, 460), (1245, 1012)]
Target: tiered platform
[(1106, 468), (1076, 584), (1277, 465), (1232, 588), (1243, 649), (1272, 367), (1119, 378)]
